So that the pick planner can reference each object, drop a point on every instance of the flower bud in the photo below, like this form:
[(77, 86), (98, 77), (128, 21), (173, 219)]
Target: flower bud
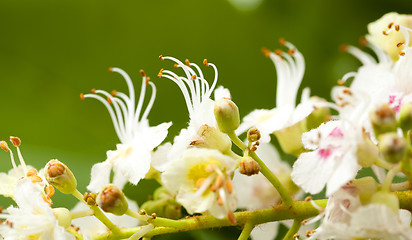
[(167, 208), (248, 166), (63, 216), (290, 138), (90, 198), (383, 119), (210, 137), (253, 135), (405, 117), (112, 200), (367, 152), (60, 176), (388, 199), (392, 147), (227, 115), (366, 187)]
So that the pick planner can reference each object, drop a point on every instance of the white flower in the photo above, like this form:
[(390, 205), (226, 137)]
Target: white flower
[(33, 219), (132, 158), (331, 162), (91, 227), (202, 181), (290, 68), (197, 94), (346, 218)]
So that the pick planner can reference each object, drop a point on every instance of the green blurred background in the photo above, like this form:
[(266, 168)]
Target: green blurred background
[(51, 51)]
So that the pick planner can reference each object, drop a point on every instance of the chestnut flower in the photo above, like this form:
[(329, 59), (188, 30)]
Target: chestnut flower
[(132, 158)]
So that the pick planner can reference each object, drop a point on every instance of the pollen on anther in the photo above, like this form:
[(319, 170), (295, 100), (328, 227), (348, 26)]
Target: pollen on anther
[(266, 52), (142, 72), (397, 27), (384, 33), (278, 52), (31, 172), (291, 51), (160, 73), (193, 77), (402, 53), (390, 25), (282, 41), (205, 62), (110, 69), (161, 57), (93, 90), (187, 62), (219, 200), (4, 146), (113, 93), (109, 100), (229, 186), (175, 65), (341, 83), (15, 140), (399, 44), (147, 81), (363, 42), (82, 96), (343, 48), (50, 191)]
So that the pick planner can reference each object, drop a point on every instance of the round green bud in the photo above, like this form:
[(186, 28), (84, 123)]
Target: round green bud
[(290, 138), (319, 114), (63, 216), (227, 115), (367, 152), (112, 200), (392, 147), (367, 186), (383, 119), (405, 117), (60, 176)]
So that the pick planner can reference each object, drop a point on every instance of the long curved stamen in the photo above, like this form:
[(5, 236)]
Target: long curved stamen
[(183, 88), (294, 78), (111, 112), (115, 102), (179, 64), (299, 60), (141, 100), (129, 85), (347, 76), (202, 89), (363, 57), (16, 142), (151, 101), (283, 75), (209, 92), (6, 148)]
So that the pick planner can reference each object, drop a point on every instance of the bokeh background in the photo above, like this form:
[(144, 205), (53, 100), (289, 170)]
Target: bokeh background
[(51, 51)]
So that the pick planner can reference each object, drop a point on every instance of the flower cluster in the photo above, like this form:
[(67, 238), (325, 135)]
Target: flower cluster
[(221, 176)]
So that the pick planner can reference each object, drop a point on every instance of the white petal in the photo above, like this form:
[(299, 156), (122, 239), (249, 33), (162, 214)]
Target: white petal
[(222, 92), (100, 176), (266, 231), (160, 159)]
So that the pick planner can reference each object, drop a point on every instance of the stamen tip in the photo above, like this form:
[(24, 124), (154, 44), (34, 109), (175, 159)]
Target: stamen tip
[(187, 62), (113, 93), (390, 24), (160, 73), (291, 51), (142, 72), (109, 100), (344, 48), (15, 140), (161, 57), (193, 77), (278, 52), (384, 33), (82, 96), (341, 82), (110, 69), (363, 42), (205, 62), (93, 90), (265, 52), (4, 146), (397, 27), (282, 41)]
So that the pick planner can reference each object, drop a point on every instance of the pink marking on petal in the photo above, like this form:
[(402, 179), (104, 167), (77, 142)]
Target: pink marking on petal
[(336, 132), (392, 99), (324, 153)]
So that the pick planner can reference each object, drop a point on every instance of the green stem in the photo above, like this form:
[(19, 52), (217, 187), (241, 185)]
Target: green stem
[(247, 229), (81, 214), (300, 210), (389, 177), (98, 213), (383, 164), (264, 170), (293, 230), (77, 235), (136, 215)]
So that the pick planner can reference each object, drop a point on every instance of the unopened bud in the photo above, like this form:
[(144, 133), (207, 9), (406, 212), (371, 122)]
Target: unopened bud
[(248, 166), (367, 152), (60, 176), (210, 137), (366, 187), (290, 138), (392, 147), (388, 199), (90, 198), (63, 216), (405, 117), (227, 115), (383, 119), (111, 199), (253, 135)]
